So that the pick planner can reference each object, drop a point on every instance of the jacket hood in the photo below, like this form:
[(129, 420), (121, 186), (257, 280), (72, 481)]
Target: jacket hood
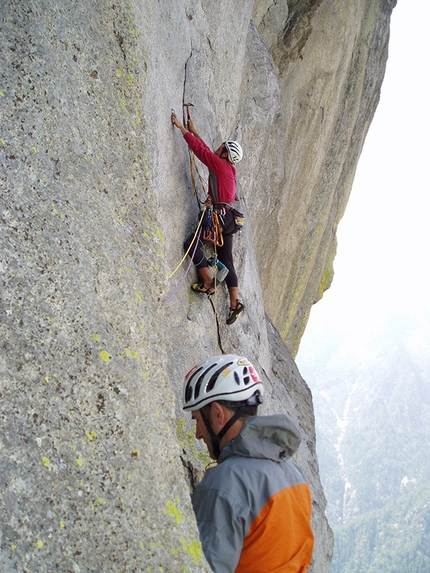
[(268, 437)]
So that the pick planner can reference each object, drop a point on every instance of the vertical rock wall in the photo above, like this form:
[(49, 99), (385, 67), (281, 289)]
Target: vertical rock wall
[(327, 60), (97, 457), (90, 473)]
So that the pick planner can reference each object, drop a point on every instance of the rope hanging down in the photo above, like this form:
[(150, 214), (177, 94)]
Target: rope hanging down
[(186, 272), (189, 248)]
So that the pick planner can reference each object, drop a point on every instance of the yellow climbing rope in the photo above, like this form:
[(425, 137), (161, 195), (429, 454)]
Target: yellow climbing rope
[(191, 244)]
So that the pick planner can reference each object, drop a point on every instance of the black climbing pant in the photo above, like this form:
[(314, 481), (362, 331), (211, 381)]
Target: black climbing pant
[(224, 253)]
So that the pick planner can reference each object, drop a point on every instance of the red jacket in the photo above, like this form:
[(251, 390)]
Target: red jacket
[(222, 174)]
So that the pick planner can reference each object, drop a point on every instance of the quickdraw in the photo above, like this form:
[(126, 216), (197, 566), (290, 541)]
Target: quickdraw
[(218, 231), (212, 230), (209, 235)]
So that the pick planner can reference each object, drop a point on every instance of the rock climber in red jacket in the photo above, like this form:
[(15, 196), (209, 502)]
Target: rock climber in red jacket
[(222, 193)]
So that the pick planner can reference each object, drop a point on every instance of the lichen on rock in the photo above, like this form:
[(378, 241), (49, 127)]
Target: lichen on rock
[(96, 198)]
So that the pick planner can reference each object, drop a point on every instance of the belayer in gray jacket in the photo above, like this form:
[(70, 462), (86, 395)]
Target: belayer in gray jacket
[(253, 509)]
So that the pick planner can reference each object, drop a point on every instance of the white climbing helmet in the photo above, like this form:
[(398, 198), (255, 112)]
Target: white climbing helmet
[(228, 377), (234, 151)]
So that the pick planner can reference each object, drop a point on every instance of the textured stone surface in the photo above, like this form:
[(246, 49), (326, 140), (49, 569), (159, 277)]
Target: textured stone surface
[(96, 454), (328, 61), (91, 478)]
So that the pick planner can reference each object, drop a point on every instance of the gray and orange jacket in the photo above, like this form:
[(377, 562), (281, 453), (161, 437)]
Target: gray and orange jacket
[(253, 509)]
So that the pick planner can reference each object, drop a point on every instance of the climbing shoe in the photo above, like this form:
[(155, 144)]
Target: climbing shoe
[(200, 287), (234, 313)]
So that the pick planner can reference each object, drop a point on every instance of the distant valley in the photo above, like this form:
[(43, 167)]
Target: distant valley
[(371, 391)]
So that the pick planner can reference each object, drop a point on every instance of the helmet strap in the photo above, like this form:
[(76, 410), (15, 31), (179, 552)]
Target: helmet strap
[(216, 438)]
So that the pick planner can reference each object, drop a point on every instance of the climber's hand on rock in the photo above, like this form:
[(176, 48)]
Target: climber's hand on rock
[(176, 121)]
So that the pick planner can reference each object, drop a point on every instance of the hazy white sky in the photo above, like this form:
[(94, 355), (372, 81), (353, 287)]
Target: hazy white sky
[(384, 238)]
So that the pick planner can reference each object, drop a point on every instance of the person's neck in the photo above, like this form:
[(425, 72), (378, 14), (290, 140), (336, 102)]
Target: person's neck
[(232, 433)]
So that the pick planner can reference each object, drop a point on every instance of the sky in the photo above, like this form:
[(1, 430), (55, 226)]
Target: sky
[(383, 258)]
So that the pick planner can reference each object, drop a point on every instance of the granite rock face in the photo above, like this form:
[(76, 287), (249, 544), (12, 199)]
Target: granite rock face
[(328, 61), (97, 458)]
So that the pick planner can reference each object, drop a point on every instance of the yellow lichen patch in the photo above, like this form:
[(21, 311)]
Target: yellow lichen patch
[(187, 440), (194, 549), (80, 462), (39, 544), (139, 296), (141, 546), (46, 462), (91, 435), (326, 279), (100, 500), (132, 353), (135, 453), (62, 525), (174, 512), (13, 547), (105, 356), (96, 337)]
